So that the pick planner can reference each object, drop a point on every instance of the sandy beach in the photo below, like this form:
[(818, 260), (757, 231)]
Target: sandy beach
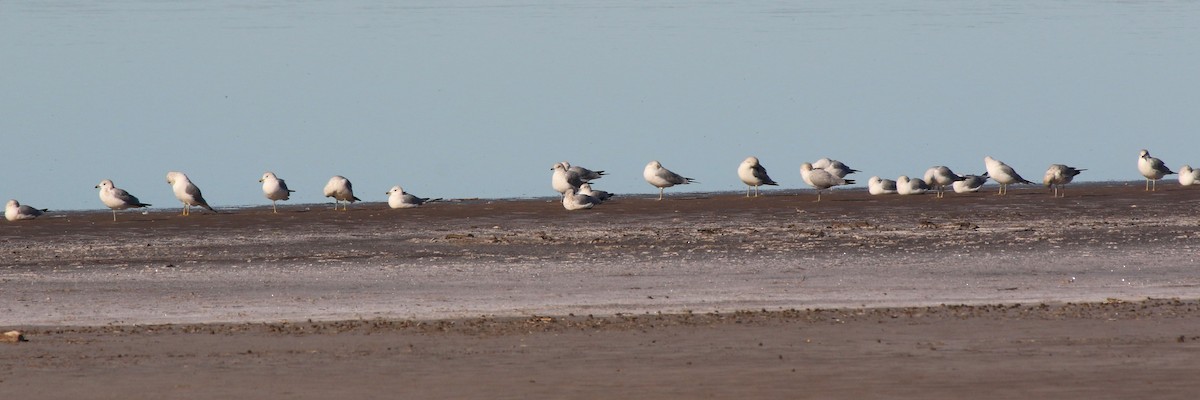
[(700, 295)]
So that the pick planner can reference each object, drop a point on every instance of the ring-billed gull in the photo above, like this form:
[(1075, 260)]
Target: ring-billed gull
[(117, 199), (340, 189), (1058, 176), (1002, 174), (663, 178), (572, 200), (601, 195), (970, 183), (563, 179), (754, 175), (835, 167), (821, 179), (585, 174), (275, 189), (878, 186), (1188, 176), (186, 192), (940, 176), (14, 211), (907, 186), (1153, 169), (397, 198)]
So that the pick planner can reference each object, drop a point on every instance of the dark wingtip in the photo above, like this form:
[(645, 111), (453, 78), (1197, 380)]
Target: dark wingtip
[(357, 199), (849, 181)]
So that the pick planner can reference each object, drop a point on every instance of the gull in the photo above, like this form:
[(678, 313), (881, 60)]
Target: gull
[(1002, 174), (397, 198), (340, 190), (877, 186), (275, 189), (838, 169), (117, 199), (663, 178), (1188, 176), (573, 200), (563, 179), (970, 183), (821, 179), (754, 175), (14, 211), (186, 192), (939, 176), (832, 166), (907, 186), (601, 195), (1058, 176), (1153, 169), (585, 174)]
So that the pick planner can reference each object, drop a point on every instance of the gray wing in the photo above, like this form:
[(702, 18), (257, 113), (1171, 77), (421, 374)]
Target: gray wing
[(889, 184), (127, 198), (283, 185), (1159, 166), (760, 172), (27, 210), (672, 177)]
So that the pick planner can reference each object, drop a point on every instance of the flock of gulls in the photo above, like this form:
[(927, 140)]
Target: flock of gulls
[(574, 184)]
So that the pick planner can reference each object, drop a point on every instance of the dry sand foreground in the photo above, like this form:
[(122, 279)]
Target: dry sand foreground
[(695, 296)]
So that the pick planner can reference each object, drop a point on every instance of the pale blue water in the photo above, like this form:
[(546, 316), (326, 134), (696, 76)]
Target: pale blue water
[(479, 98)]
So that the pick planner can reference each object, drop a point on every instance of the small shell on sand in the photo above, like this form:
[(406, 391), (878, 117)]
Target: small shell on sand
[(13, 337)]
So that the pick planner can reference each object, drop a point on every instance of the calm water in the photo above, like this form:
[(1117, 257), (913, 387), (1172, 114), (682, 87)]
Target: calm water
[(478, 99)]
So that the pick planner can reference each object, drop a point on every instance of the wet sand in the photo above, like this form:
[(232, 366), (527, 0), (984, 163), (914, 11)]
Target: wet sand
[(701, 295)]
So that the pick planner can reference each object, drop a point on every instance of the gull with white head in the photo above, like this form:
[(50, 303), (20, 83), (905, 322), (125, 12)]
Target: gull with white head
[(821, 179), (397, 198), (586, 188), (940, 176), (573, 200), (275, 189), (14, 211), (753, 174), (117, 199), (1152, 168), (908, 186), (663, 178), (1188, 176), (878, 186), (186, 192)]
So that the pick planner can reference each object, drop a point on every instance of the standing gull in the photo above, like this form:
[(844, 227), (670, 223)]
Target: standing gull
[(563, 179), (117, 199), (939, 176), (1002, 174), (397, 198), (186, 192), (835, 167), (1153, 169), (821, 179), (663, 178), (275, 189), (573, 200), (14, 211), (970, 183), (1188, 176), (754, 175), (1058, 176), (585, 174), (878, 186), (340, 190)]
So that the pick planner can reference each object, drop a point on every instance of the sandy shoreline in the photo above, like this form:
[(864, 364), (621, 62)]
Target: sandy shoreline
[(233, 287)]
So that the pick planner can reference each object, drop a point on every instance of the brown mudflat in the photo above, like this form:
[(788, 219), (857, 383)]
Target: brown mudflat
[(718, 296)]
